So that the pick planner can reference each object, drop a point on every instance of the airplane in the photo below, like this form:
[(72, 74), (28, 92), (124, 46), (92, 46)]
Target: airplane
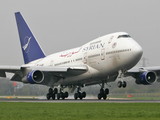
[(100, 61)]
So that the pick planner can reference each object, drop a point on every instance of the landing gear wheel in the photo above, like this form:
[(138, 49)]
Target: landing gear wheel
[(75, 96), (50, 90), (84, 94), (58, 96), (53, 96), (55, 90), (66, 94), (124, 84), (48, 96), (119, 84), (101, 91), (80, 98), (79, 95), (99, 96), (106, 91), (104, 97), (63, 98), (62, 95)]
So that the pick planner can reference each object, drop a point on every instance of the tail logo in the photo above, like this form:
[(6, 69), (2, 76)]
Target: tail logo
[(26, 44)]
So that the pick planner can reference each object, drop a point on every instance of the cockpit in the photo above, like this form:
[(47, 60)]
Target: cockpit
[(124, 36)]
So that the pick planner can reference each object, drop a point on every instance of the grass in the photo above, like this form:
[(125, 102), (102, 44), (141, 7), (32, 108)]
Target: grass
[(79, 111)]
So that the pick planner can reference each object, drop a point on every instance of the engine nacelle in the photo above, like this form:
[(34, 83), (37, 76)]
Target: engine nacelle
[(147, 78), (35, 76)]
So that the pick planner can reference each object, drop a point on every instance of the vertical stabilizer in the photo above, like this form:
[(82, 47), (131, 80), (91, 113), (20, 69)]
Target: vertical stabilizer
[(30, 47)]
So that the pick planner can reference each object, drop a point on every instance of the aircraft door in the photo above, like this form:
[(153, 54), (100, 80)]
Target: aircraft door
[(85, 58), (103, 54), (51, 62)]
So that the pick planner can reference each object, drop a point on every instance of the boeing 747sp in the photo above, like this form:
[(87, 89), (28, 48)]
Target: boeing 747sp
[(99, 61)]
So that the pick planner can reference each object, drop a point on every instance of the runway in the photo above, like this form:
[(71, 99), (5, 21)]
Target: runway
[(79, 101)]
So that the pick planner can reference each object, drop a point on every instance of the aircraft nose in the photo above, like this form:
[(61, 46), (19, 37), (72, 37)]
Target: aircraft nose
[(137, 51)]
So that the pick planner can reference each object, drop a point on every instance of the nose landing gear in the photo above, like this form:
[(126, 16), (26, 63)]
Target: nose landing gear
[(121, 83)]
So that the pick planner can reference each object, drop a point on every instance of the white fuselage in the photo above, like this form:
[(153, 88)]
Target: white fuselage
[(104, 57)]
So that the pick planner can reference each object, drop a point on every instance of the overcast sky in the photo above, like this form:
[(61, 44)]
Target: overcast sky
[(59, 25)]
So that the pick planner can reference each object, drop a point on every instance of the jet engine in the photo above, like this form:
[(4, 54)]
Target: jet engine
[(35, 76), (147, 78)]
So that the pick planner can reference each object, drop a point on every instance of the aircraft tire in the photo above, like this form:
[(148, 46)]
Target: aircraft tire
[(75, 96), (66, 94), (55, 90), (104, 97), (63, 97), (48, 96), (53, 96), (81, 98), (107, 91), (119, 84), (50, 90), (99, 96), (101, 91), (79, 95), (58, 96), (84, 94), (124, 84)]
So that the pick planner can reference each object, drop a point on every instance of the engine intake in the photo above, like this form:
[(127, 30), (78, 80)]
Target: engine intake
[(35, 76), (148, 77)]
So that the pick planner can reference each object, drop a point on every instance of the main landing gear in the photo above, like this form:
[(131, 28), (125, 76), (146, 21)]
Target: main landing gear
[(62, 94), (103, 93), (121, 83), (79, 94), (51, 93)]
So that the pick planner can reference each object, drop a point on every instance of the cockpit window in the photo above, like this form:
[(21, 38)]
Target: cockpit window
[(124, 36)]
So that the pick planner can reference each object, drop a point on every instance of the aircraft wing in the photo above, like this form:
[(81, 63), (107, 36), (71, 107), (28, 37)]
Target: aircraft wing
[(149, 74), (141, 69), (10, 69), (58, 71)]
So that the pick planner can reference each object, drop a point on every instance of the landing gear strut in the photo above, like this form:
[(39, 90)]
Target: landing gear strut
[(51, 93), (61, 94), (121, 83), (103, 93), (79, 94)]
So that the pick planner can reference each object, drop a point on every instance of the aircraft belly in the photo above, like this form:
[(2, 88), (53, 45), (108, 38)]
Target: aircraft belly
[(91, 77), (83, 78)]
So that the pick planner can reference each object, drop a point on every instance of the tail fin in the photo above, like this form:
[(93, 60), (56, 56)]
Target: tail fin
[(30, 47)]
